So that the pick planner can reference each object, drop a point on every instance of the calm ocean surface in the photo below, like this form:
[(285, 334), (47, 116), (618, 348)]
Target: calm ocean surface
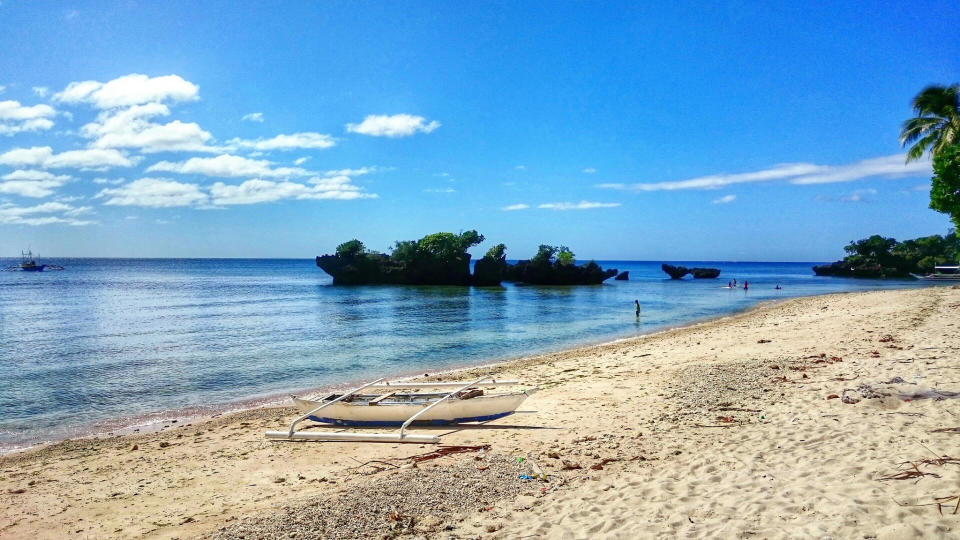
[(108, 342)]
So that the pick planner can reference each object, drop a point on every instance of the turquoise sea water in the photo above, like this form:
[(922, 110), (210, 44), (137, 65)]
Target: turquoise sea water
[(113, 341)]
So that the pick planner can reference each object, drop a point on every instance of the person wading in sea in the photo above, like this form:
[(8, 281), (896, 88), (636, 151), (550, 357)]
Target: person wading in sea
[(636, 304)]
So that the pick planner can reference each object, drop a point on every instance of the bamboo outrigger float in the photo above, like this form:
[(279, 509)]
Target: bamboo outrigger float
[(462, 403)]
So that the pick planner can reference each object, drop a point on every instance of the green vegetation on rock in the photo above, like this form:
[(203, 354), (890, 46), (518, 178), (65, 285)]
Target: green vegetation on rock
[(881, 257)]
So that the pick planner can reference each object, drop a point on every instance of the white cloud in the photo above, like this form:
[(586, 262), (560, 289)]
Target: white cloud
[(16, 118), (883, 167), (301, 160), (292, 141), (41, 91), (860, 195), (43, 214), (36, 176), (521, 167), (112, 182), (259, 191), (133, 89), (228, 166), (398, 125), (514, 207), (590, 170), (796, 173), (2, 88), (352, 172), (154, 192), (253, 117), (32, 183), (726, 199), (440, 190), (43, 156), (582, 205), (131, 128)]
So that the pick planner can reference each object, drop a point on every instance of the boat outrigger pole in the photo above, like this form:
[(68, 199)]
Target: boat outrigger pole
[(401, 436)]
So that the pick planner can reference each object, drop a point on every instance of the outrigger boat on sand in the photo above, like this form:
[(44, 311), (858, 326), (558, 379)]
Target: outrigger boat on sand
[(942, 273), (462, 403)]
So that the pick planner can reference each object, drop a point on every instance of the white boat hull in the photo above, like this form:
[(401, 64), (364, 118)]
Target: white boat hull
[(452, 411)]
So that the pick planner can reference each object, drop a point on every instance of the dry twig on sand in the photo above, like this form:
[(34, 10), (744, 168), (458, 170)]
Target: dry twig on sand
[(942, 500), (947, 430), (448, 450), (915, 473)]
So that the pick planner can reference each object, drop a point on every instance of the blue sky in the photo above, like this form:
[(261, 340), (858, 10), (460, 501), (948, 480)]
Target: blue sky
[(724, 131)]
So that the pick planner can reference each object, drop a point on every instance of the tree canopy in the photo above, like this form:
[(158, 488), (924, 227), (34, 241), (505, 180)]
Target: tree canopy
[(892, 257), (547, 254), (351, 248), (937, 122), (945, 188)]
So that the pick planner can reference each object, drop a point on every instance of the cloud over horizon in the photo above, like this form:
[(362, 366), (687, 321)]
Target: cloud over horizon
[(795, 173), (582, 205)]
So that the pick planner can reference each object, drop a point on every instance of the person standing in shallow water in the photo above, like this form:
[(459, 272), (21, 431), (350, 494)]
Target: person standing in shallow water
[(636, 304)]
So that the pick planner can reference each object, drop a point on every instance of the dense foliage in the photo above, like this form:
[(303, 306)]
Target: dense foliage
[(878, 256), (351, 249), (945, 188), (553, 254)]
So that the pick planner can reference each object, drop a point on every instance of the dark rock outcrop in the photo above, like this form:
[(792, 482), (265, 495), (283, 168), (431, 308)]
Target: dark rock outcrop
[(488, 272), (377, 268), (623, 276), (846, 269), (675, 272), (705, 273), (553, 273)]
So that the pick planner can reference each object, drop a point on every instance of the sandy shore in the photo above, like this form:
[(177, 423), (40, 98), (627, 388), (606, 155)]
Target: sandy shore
[(822, 416)]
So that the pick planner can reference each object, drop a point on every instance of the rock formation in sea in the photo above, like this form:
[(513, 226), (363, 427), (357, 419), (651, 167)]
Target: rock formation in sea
[(623, 276), (435, 259), (555, 265), (869, 270), (490, 269), (675, 272), (705, 273), (442, 259)]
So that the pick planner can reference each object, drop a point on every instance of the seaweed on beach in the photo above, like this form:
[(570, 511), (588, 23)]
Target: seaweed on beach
[(947, 430)]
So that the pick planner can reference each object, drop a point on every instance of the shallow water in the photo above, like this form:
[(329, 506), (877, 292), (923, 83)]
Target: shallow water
[(109, 339)]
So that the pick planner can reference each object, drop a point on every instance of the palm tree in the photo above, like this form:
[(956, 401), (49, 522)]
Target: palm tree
[(937, 124)]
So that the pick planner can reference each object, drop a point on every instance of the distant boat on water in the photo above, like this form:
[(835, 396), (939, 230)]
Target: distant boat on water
[(942, 273), (29, 264)]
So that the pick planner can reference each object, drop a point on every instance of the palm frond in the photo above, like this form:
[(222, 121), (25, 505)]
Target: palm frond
[(916, 151), (915, 128), (937, 100)]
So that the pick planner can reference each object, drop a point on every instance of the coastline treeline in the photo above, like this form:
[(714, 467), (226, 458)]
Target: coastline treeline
[(442, 259), (880, 257)]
